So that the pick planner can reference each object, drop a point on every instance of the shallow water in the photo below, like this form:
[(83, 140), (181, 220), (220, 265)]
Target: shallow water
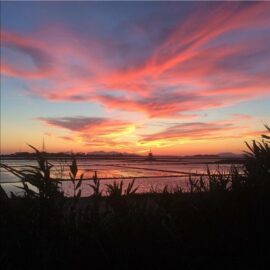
[(149, 175)]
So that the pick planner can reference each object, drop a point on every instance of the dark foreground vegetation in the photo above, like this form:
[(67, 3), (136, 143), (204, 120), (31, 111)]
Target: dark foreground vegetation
[(223, 222)]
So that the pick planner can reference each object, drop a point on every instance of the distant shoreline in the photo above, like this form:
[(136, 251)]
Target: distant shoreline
[(211, 159)]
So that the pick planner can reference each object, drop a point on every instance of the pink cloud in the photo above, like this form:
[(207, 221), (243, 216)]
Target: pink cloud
[(187, 71), (201, 131), (41, 59), (96, 125), (241, 116)]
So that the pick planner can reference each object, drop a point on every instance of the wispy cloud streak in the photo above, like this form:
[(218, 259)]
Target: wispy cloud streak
[(213, 57)]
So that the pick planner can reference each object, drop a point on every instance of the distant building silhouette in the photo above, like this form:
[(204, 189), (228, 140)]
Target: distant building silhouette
[(150, 156)]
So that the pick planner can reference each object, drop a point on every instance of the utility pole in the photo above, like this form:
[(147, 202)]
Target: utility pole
[(43, 144)]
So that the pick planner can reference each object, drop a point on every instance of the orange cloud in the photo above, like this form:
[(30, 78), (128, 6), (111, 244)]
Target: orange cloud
[(211, 131), (93, 130)]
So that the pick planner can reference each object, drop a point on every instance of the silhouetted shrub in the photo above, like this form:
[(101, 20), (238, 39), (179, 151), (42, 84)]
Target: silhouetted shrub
[(257, 163)]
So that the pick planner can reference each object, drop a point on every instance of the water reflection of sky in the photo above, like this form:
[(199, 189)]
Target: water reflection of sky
[(152, 175)]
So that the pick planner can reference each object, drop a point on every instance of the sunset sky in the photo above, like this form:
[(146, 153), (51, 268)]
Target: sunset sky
[(175, 77)]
